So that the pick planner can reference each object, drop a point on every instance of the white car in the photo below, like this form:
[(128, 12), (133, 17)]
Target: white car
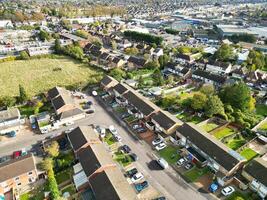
[(69, 130), (227, 190), (137, 177), (157, 141), (113, 130), (101, 131), (160, 146), (69, 123), (181, 161), (118, 138), (94, 93)]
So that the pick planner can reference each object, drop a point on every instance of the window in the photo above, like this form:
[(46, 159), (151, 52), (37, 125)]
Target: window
[(18, 184), (30, 173), (17, 179), (30, 180)]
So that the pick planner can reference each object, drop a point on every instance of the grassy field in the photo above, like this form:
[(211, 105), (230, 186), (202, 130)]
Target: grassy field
[(39, 75)]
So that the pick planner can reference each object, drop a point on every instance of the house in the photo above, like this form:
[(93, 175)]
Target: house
[(185, 58), (157, 53), (124, 44), (5, 24), (108, 82), (141, 48), (103, 59), (165, 122), (71, 115), (61, 99), (203, 149), (207, 77), (256, 173), (116, 62), (9, 120), (40, 50), (72, 37), (139, 103), (135, 63), (96, 169), (17, 174), (119, 90), (218, 67)]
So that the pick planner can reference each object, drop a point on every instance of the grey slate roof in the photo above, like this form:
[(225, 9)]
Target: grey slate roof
[(163, 120), (70, 113), (120, 88)]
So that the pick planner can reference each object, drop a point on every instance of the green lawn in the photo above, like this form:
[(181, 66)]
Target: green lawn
[(261, 109), (248, 153), (236, 143), (109, 139), (239, 196), (63, 176), (170, 154), (130, 119), (196, 119), (39, 75), (263, 126), (223, 132), (209, 126), (142, 72), (25, 196), (71, 189), (122, 158), (195, 173), (120, 110)]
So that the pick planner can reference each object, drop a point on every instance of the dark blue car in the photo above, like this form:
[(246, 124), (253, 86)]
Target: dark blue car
[(141, 186)]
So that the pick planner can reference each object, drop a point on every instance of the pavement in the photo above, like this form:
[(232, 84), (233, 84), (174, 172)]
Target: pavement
[(167, 182)]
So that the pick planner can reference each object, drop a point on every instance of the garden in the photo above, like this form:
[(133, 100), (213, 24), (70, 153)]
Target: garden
[(209, 126), (195, 173), (123, 159), (261, 109), (109, 139), (248, 153), (170, 154), (226, 131)]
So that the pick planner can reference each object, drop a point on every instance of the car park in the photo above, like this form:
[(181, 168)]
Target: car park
[(163, 163), (131, 172), (141, 186), (137, 177), (125, 149), (189, 166), (182, 161), (160, 146), (157, 141), (134, 156), (228, 190)]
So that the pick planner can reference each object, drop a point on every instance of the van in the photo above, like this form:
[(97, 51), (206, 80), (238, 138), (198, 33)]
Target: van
[(163, 163)]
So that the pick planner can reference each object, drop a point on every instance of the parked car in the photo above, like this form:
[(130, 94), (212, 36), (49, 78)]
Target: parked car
[(91, 111), (11, 134), (160, 146), (160, 198), (5, 159), (134, 156), (136, 126), (189, 166), (228, 190), (141, 130), (69, 130), (163, 163), (137, 177), (23, 152), (182, 161), (213, 187), (89, 103), (125, 149), (69, 123), (101, 131), (141, 186), (157, 141), (118, 138), (94, 93), (34, 126), (16, 154), (113, 130), (131, 172)]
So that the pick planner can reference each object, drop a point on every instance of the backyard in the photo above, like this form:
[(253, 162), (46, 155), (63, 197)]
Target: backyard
[(195, 173), (248, 154), (39, 75), (122, 158), (209, 126), (263, 126), (226, 131), (261, 109), (109, 139)]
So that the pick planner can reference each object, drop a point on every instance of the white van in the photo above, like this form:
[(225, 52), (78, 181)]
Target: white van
[(163, 163)]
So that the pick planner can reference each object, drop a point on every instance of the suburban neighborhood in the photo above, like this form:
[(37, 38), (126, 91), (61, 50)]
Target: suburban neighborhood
[(132, 100)]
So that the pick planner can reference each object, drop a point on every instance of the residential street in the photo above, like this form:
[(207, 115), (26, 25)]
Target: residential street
[(167, 182)]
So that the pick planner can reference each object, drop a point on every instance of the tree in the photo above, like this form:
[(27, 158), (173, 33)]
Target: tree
[(207, 89), (131, 51), (47, 164), (141, 82), (57, 47), (237, 95), (243, 37), (225, 53), (23, 55), (214, 106), (82, 33), (22, 94), (184, 49), (7, 101), (198, 101), (158, 78), (170, 79), (168, 101), (43, 35), (37, 107), (256, 60), (53, 187), (118, 74), (53, 149), (152, 65), (37, 16), (163, 60)]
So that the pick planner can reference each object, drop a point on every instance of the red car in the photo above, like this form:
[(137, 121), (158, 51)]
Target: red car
[(16, 154)]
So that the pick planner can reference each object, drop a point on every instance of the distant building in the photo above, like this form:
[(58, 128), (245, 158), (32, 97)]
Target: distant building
[(229, 30), (9, 120)]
